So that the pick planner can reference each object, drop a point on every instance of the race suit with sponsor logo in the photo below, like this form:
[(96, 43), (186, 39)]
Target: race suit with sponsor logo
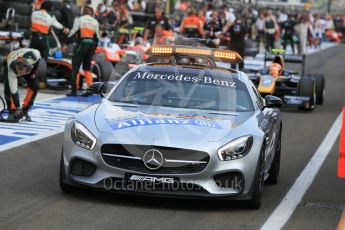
[(87, 28), (32, 57), (41, 23)]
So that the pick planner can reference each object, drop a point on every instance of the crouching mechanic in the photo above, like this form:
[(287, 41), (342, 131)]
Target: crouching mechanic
[(21, 63), (87, 29)]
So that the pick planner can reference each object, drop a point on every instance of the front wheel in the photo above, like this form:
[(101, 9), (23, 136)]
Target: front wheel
[(103, 70), (319, 87), (306, 88), (275, 166), (258, 184)]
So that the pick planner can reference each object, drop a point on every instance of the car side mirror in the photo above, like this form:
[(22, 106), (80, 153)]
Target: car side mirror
[(97, 88), (273, 102)]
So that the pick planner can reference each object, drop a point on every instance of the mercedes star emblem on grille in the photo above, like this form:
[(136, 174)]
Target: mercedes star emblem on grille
[(153, 159)]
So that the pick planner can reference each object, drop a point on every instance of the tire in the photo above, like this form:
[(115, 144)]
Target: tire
[(42, 73), (306, 87), (5, 49), (103, 70), (319, 86), (258, 184), (20, 8), (56, 5), (65, 188), (57, 14), (275, 167), (3, 68), (2, 105), (121, 69), (68, 13), (23, 21)]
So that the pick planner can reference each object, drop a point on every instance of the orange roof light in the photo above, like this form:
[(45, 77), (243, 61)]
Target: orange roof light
[(162, 50), (194, 51), (227, 54)]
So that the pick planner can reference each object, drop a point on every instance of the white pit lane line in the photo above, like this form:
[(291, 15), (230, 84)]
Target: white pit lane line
[(286, 208)]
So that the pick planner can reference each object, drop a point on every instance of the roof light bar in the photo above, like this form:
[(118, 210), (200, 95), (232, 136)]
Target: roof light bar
[(194, 51), (162, 50), (225, 55)]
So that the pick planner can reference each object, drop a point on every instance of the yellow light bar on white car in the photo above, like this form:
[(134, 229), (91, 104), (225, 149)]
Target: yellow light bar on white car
[(224, 55)]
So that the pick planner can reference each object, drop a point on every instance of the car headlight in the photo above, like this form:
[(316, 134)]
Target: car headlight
[(236, 149), (82, 137)]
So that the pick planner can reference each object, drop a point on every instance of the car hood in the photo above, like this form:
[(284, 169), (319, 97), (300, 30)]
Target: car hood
[(131, 121)]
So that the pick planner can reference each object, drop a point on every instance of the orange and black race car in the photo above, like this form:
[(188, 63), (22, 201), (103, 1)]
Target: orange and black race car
[(302, 91), (57, 71)]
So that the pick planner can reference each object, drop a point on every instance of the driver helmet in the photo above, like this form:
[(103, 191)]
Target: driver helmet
[(279, 60)]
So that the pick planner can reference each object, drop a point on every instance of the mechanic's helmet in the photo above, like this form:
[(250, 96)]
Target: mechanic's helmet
[(276, 70), (48, 6)]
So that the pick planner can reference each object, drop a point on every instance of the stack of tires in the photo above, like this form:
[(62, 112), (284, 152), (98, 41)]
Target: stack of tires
[(22, 17)]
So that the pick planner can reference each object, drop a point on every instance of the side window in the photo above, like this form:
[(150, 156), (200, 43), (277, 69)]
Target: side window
[(259, 100)]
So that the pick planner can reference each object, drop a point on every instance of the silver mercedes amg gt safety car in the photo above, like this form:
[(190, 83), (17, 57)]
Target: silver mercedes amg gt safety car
[(176, 129)]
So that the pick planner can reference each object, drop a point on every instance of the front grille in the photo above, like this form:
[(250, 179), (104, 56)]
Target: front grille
[(176, 160)]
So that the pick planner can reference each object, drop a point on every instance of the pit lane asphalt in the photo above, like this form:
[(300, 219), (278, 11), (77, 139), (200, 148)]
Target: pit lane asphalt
[(30, 197)]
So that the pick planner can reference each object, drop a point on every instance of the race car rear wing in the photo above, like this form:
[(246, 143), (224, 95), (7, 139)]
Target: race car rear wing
[(8, 37), (288, 58), (11, 36)]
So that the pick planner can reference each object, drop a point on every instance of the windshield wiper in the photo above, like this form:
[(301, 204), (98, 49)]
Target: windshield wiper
[(223, 113), (124, 104)]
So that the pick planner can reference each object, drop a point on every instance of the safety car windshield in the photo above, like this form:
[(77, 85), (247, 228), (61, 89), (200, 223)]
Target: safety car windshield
[(171, 89)]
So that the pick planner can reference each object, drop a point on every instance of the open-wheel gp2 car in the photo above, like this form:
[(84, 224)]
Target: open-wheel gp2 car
[(302, 91)]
